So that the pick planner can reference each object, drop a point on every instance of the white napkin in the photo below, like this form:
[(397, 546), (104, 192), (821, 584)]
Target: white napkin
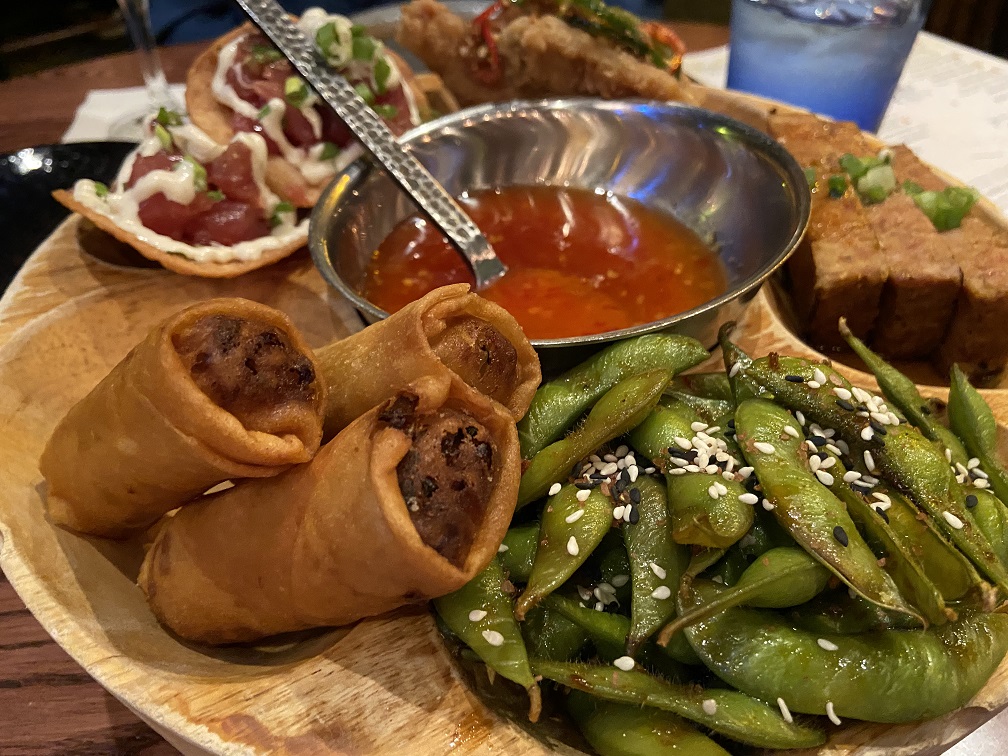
[(107, 113), (950, 107)]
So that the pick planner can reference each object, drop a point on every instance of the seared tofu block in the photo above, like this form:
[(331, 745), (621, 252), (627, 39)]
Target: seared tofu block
[(838, 269), (977, 337)]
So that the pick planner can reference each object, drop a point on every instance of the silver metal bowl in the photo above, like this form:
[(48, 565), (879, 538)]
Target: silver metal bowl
[(727, 181)]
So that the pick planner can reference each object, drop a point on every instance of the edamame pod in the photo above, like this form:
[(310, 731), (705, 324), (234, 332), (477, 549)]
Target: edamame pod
[(569, 532), (881, 676), (480, 614), (550, 635), (521, 542), (622, 408), (560, 402), (711, 385), (780, 578), (656, 564), (973, 421), (803, 505), (726, 712), (615, 729)]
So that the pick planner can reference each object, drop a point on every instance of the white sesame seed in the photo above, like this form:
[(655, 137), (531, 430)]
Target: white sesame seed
[(800, 417), (881, 497), (829, 432), (477, 614), (712, 491), (832, 714), (679, 461), (869, 479), (860, 394), (594, 458), (649, 471), (625, 663), (842, 446), (618, 581), (734, 369), (961, 468), (881, 417), (784, 711), (867, 433), (824, 477), (683, 443), (697, 426), (710, 707), (678, 471), (728, 476), (572, 546), (583, 494), (712, 469), (574, 516), (811, 447), (814, 384), (814, 463), (894, 419), (622, 450), (599, 606), (609, 458), (981, 473), (745, 472), (749, 498), (658, 571), (793, 432), (502, 548), (767, 505), (952, 520), (620, 464), (617, 512), (609, 469), (493, 637), (721, 488), (843, 393), (827, 463), (584, 593), (633, 472), (819, 375), (948, 455), (869, 461), (826, 645), (765, 448), (714, 429), (961, 478), (850, 476), (630, 459), (661, 593), (605, 593), (973, 462), (981, 483), (555, 489), (626, 513)]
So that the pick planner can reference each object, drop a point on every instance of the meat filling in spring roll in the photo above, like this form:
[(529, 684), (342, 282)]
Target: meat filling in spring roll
[(407, 503), (223, 390)]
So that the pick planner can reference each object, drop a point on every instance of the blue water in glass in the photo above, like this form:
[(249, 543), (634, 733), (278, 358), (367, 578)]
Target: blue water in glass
[(840, 58)]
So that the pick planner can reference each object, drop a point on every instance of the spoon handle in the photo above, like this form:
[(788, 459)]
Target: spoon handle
[(408, 172)]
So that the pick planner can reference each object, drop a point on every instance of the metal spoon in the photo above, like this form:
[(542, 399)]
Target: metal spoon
[(428, 195)]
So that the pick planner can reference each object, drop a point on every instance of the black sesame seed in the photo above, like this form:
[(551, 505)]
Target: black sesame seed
[(819, 440), (634, 514), (585, 485), (597, 476), (794, 378), (971, 501), (619, 486), (844, 404), (576, 470), (635, 495), (841, 535), (731, 423), (925, 409), (877, 427), (823, 456), (675, 451), (862, 408), (881, 513), (624, 477)]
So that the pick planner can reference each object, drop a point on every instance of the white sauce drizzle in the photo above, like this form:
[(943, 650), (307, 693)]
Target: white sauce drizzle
[(123, 205)]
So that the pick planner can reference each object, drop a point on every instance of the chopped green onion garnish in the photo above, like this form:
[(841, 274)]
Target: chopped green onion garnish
[(325, 37), (100, 189), (945, 209), (278, 210), (386, 111), (265, 54), (877, 184), (295, 91), (199, 173), (365, 93), (163, 136), (364, 48), (216, 195), (382, 72), (168, 117), (264, 111), (810, 177), (358, 31), (837, 185), (329, 151)]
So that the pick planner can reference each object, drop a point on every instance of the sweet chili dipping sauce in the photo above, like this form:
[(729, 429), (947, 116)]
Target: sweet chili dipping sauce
[(578, 262)]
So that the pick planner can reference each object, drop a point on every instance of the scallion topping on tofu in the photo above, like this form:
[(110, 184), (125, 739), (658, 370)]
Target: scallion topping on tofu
[(945, 209), (873, 177)]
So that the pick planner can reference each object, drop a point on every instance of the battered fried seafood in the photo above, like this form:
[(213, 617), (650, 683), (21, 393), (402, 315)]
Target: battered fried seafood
[(223, 390), (407, 503), (540, 48)]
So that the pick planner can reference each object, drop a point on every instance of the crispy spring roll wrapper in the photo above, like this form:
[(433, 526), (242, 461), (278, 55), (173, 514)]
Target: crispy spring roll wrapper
[(450, 330), (222, 390), (407, 503)]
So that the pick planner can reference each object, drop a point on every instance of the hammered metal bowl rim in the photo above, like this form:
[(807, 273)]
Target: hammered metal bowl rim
[(332, 203)]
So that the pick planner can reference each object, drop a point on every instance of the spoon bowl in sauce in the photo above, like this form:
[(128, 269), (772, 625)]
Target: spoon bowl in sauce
[(614, 219)]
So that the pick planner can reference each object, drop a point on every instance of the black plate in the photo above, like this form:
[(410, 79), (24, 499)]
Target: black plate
[(28, 213)]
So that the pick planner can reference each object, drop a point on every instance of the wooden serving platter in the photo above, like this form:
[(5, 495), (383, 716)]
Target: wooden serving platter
[(386, 685)]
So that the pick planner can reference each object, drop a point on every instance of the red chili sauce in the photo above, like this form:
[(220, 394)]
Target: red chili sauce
[(578, 262)]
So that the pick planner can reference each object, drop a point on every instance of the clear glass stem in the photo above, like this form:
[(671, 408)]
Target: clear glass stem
[(137, 16)]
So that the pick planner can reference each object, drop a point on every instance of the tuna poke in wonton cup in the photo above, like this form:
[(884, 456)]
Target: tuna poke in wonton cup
[(195, 206), (244, 84)]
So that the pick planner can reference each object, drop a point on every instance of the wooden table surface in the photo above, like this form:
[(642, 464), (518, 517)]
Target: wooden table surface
[(48, 704)]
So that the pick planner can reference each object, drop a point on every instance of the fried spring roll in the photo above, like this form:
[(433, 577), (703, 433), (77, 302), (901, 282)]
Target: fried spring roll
[(223, 390), (450, 330), (407, 503)]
